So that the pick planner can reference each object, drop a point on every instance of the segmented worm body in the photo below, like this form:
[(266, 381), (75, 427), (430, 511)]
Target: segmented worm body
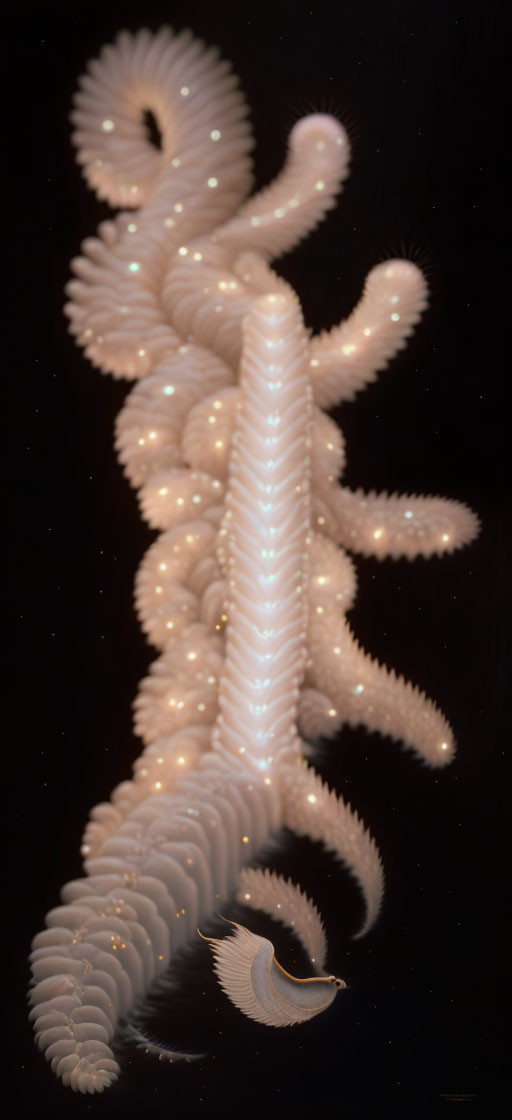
[(245, 589)]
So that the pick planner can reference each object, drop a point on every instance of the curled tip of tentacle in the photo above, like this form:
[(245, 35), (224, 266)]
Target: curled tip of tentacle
[(319, 126)]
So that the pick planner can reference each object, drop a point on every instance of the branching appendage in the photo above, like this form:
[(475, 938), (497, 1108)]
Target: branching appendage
[(245, 590)]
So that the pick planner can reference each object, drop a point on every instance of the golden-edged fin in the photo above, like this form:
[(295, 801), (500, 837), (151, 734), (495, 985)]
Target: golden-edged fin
[(255, 982)]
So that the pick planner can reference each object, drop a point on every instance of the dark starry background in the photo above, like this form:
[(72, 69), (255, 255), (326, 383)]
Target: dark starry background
[(421, 88)]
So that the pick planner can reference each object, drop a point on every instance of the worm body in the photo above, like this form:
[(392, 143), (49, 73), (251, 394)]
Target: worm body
[(244, 592)]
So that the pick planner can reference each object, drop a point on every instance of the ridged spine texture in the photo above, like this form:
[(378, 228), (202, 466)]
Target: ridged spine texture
[(267, 525)]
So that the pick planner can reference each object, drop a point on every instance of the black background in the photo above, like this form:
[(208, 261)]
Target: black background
[(421, 89)]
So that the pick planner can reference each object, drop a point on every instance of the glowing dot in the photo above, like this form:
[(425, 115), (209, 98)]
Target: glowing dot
[(395, 316), (367, 331), (333, 712), (314, 362), (247, 896), (213, 182), (268, 781), (158, 590), (191, 656), (183, 251), (445, 537), (198, 256), (196, 498), (141, 352), (178, 206), (408, 514), (180, 761), (322, 579), (132, 228), (108, 126), (311, 798), (319, 185), (245, 839), (395, 299), (176, 162), (134, 266), (348, 348), (444, 746), (212, 419), (180, 501), (337, 649), (255, 221), (169, 390), (158, 785), (184, 91), (141, 442), (319, 610), (215, 134), (378, 533), (169, 222), (163, 491), (359, 689)]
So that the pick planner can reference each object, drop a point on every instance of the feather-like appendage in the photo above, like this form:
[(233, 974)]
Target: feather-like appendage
[(257, 984)]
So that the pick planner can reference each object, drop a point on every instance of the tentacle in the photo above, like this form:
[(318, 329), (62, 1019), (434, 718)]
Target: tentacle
[(156, 770), (205, 297), (171, 497), (277, 218), (395, 525), (206, 439), (198, 109), (167, 596), (346, 358), (115, 309), (363, 692), (284, 901), (150, 424), (311, 809), (182, 686), (255, 982), (150, 1045)]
